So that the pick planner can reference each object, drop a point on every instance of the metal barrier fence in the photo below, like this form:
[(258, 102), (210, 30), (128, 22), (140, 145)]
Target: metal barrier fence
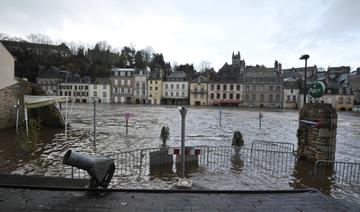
[(157, 161), (341, 172), (272, 146)]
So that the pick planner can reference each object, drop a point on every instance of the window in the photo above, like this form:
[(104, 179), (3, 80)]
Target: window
[(288, 98), (340, 100), (128, 82), (137, 85), (86, 87), (183, 93), (172, 94), (122, 73), (348, 100), (270, 88), (231, 96), (211, 87), (277, 98), (115, 82), (116, 73), (294, 98), (166, 93), (95, 93), (231, 87), (104, 94), (247, 88), (247, 97), (262, 97), (211, 96), (171, 86), (177, 86), (224, 96), (150, 81), (218, 96), (166, 86), (277, 88), (177, 93), (237, 96), (183, 86), (224, 87), (253, 97), (143, 86), (291, 91), (95, 86), (156, 88), (155, 82), (75, 87), (150, 88), (270, 98), (218, 87)]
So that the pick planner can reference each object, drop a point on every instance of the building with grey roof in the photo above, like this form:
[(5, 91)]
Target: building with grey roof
[(263, 87)]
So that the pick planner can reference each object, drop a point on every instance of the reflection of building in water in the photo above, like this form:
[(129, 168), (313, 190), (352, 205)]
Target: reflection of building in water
[(304, 178)]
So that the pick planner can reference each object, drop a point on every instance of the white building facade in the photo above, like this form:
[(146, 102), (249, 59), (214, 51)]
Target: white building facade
[(100, 90), (79, 92), (140, 86), (7, 68), (175, 90)]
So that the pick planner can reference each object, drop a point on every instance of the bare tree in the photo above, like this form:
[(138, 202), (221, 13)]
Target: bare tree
[(39, 38), (204, 66)]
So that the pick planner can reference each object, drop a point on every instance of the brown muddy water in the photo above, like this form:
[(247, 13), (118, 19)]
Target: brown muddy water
[(44, 157)]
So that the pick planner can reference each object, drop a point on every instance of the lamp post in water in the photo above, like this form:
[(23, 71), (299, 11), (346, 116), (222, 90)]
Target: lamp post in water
[(305, 57), (94, 99), (126, 116), (183, 115)]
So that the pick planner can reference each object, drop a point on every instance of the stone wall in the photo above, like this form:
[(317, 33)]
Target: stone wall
[(49, 115), (317, 132)]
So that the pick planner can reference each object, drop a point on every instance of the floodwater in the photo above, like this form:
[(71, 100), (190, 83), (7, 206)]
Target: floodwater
[(202, 128)]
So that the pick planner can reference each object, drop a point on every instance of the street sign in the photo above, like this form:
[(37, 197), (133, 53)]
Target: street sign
[(126, 115), (317, 89)]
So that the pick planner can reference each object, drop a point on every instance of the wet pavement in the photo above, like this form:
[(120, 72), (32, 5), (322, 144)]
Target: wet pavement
[(21, 199), (202, 128)]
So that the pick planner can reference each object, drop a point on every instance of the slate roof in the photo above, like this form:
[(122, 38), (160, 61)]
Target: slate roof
[(228, 74), (298, 72), (261, 74)]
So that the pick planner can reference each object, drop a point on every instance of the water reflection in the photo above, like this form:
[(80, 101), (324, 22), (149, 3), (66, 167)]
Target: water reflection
[(304, 177)]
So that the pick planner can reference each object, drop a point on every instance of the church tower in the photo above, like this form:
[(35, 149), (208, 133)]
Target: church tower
[(236, 59)]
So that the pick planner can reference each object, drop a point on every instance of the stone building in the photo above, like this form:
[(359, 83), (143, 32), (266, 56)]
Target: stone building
[(263, 87), (225, 88), (199, 91), (291, 93), (122, 83), (7, 65), (101, 90), (140, 86), (354, 80), (299, 73), (175, 90), (155, 83)]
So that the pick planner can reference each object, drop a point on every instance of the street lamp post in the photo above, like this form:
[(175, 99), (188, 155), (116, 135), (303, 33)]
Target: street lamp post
[(305, 57), (183, 114)]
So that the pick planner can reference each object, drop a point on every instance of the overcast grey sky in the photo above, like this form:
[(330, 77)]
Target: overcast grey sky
[(192, 31)]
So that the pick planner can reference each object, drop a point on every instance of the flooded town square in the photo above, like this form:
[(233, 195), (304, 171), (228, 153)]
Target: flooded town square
[(218, 168)]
